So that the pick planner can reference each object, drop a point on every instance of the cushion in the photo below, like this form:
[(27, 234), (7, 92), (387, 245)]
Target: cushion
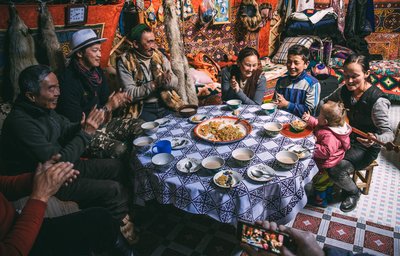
[(200, 77), (281, 56)]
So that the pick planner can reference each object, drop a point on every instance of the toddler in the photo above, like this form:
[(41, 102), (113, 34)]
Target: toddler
[(332, 141)]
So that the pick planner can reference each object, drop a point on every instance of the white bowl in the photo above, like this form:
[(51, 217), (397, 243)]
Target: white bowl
[(268, 108), (234, 104), (143, 144), (213, 162), (272, 128), (286, 159), (243, 156), (162, 160), (150, 128)]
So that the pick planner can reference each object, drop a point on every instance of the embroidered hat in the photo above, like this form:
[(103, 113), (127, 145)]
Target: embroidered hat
[(82, 38), (136, 32)]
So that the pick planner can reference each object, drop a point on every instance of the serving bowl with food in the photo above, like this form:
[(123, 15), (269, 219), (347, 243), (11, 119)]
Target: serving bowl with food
[(223, 130), (272, 129), (287, 159), (234, 104), (298, 125)]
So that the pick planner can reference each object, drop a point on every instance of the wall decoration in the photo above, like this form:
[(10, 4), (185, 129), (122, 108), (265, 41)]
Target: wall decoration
[(222, 8)]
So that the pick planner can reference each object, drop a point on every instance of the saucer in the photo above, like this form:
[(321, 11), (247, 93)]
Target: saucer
[(263, 168), (179, 142), (196, 165), (162, 121), (235, 178), (301, 151)]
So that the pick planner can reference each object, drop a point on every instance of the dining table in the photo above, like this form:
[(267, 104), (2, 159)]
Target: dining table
[(279, 199)]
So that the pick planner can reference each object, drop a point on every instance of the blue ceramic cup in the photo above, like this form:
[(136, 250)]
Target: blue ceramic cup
[(162, 146)]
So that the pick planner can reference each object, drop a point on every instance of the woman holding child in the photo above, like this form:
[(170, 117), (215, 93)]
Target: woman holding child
[(368, 110), (244, 81)]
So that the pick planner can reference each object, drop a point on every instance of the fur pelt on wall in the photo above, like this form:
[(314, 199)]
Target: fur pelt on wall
[(54, 52), (179, 63), (21, 48)]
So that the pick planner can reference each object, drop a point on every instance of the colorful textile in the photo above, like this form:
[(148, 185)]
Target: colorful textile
[(281, 56), (385, 44)]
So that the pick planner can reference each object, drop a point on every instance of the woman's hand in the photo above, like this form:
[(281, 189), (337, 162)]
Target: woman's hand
[(93, 121), (117, 100), (306, 116), (367, 142), (234, 84), (281, 101)]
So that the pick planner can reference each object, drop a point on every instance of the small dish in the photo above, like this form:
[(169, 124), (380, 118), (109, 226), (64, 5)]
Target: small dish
[(262, 168), (243, 156), (286, 159), (213, 163), (150, 128), (234, 104), (187, 110), (301, 151), (269, 108), (162, 160), (179, 143), (298, 125), (272, 129), (197, 118), (162, 121), (143, 144), (227, 179), (189, 165)]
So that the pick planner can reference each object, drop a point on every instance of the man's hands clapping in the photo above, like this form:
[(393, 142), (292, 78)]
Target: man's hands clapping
[(117, 100), (93, 121), (50, 176)]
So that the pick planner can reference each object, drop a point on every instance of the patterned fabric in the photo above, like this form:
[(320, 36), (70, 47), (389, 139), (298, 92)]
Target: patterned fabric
[(385, 44), (278, 200), (387, 16), (281, 56), (215, 41)]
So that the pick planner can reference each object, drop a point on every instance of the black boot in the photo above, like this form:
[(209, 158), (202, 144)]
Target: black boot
[(350, 202), (122, 246)]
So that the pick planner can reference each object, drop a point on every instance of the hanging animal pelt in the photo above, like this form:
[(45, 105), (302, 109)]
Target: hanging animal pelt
[(179, 63), (21, 48), (49, 40)]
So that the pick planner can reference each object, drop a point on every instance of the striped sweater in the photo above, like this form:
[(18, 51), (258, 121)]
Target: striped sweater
[(302, 93)]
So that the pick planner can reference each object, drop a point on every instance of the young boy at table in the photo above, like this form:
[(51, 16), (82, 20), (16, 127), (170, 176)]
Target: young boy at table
[(332, 141), (297, 92)]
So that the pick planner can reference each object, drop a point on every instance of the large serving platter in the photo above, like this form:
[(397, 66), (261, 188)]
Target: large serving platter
[(243, 125)]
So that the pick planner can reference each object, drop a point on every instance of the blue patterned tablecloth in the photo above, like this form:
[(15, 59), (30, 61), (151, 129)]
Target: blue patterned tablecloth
[(277, 200)]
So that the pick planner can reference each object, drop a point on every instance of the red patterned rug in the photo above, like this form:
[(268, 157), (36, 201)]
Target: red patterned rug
[(349, 233)]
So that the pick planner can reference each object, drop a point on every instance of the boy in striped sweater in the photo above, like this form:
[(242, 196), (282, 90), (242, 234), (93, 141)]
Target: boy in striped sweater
[(297, 92)]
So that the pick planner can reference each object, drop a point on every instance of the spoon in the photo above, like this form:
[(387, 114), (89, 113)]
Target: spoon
[(259, 174), (188, 166)]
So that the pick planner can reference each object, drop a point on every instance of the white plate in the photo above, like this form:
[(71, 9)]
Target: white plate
[(265, 169), (236, 178), (162, 121), (179, 143), (301, 151), (197, 118), (196, 165)]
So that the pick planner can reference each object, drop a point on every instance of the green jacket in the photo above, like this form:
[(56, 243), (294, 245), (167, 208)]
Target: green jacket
[(32, 134)]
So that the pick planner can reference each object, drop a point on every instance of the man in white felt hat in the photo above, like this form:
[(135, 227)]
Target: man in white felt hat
[(84, 87)]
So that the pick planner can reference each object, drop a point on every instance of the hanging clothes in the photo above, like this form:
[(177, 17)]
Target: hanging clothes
[(338, 7), (304, 5)]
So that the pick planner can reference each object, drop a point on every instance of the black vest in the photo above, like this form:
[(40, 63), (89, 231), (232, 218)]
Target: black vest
[(360, 113)]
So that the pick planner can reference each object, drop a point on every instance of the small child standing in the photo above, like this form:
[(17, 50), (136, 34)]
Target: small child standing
[(332, 141), (298, 92)]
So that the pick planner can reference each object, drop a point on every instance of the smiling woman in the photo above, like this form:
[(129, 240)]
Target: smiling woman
[(244, 81)]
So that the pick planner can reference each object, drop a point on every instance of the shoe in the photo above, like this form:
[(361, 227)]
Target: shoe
[(350, 203), (128, 231)]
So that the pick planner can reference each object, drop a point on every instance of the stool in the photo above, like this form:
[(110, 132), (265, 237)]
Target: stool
[(365, 176)]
